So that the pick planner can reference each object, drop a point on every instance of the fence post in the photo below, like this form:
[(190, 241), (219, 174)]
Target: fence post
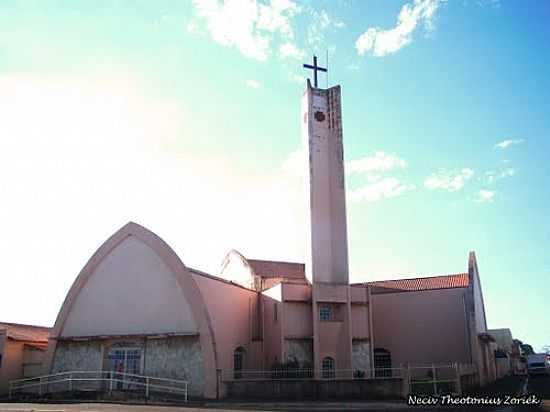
[(70, 382), (218, 383), (434, 379), (147, 387), (186, 390), (40, 387), (458, 382), (111, 383)]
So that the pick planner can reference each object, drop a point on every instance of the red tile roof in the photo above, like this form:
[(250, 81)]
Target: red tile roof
[(38, 346), (272, 269), (459, 280), (26, 333)]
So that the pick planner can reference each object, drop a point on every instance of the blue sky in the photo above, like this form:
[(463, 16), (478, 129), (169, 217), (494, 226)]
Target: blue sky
[(184, 116)]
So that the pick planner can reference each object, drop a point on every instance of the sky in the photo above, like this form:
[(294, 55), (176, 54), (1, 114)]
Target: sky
[(183, 116)]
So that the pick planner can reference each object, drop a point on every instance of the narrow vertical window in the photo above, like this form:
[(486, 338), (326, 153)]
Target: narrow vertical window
[(238, 362), (382, 363), (328, 371)]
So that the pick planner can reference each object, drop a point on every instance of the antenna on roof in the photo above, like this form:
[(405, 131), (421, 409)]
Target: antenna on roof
[(327, 68)]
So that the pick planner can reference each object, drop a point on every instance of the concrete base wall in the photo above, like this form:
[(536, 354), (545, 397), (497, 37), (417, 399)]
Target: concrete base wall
[(469, 383), (311, 389)]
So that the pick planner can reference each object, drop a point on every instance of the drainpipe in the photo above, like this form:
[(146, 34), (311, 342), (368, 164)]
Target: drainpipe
[(371, 329)]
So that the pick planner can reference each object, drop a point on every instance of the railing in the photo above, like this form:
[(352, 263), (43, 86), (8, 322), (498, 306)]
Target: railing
[(98, 381), (437, 379), (421, 379), (307, 374)]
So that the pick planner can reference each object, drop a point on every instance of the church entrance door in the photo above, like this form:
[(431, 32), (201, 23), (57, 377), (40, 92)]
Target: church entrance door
[(124, 361)]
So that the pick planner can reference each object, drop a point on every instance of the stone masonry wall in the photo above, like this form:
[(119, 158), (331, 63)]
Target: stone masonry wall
[(172, 358), (77, 356), (176, 358), (361, 356), (301, 349)]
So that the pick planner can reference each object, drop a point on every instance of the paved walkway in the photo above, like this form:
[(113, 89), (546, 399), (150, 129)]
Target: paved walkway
[(232, 407)]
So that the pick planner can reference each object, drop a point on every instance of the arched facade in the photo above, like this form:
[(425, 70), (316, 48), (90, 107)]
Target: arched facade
[(135, 306), (236, 268)]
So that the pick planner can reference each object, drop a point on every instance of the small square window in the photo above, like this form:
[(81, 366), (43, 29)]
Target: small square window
[(325, 313)]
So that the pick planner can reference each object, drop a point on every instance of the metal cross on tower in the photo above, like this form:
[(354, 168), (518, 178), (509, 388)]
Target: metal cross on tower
[(315, 69)]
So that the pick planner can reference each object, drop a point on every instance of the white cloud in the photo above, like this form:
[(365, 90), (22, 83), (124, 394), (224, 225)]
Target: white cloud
[(451, 181), (491, 3), (382, 42), (507, 172), (297, 78), (253, 84), (508, 142), (379, 162), (378, 187), (248, 25), (192, 27), (276, 17), (289, 50), (321, 23), (492, 176), (386, 188), (485, 196)]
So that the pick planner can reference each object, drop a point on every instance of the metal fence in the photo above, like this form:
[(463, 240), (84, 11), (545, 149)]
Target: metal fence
[(429, 379), (97, 381), (434, 379), (307, 373)]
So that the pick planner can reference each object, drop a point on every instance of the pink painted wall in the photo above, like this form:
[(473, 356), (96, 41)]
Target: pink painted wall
[(359, 294), (229, 307), (329, 339), (33, 360), (297, 319), (296, 292), (359, 321), (12, 364), (421, 327), (273, 349), (473, 273)]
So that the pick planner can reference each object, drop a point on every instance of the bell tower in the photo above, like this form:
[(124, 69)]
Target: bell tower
[(326, 243)]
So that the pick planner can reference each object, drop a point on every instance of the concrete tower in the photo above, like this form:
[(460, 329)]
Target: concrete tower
[(326, 244)]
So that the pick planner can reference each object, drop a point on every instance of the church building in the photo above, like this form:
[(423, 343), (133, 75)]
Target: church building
[(137, 308)]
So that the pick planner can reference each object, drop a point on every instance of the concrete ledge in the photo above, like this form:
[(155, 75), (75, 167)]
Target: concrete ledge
[(390, 388)]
